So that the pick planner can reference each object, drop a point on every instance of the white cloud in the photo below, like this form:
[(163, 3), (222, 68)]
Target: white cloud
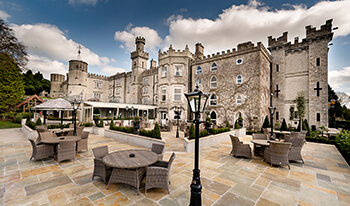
[(4, 15), (127, 37), (49, 41), (46, 66), (339, 80), (112, 70), (87, 2)]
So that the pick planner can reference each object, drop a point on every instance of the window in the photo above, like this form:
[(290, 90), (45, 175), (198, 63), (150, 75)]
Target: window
[(177, 94), (178, 71), (239, 61), (118, 81), (277, 115), (110, 92), (212, 101), (277, 68), (97, 96), (239, 100), (199, 70), (117, 100), (145, 100), (98, 85), (318, 61), (318, 118), (145, 80), (163, 94), (117, 90), (145, 90), (198, 82), (239, 79), (156, 99), (213, 117), (128, 89), (213, 67), (213, 82), (164, 72), (110, 83), (134, 78)]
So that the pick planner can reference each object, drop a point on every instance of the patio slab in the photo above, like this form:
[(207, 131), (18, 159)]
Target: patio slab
[(324, 179)]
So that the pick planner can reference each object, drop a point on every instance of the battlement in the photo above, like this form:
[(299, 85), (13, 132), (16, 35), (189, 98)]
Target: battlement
[(97, 76), (140, 39), (245, 47), (171, 52), (57, 77), (139, 53), (311, 35), (150, 72)]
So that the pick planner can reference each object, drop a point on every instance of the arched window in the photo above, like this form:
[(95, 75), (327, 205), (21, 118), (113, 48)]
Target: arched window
[(239, 100), (213, 67), (198, 82), (213, 117), (239, 79), (199, 70), (212, 101), (213, 82)]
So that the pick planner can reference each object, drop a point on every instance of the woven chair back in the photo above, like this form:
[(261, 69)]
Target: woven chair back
[(41, 128), (33, 145), (280, 149), (66, 145), (80, 130), (157, 148), (260, 136), (45, 135), (85, 135), (171, 159), (100, 152)]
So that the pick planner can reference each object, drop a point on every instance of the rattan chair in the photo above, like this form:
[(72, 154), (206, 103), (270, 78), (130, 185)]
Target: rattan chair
[(78, 129), (44, 135), (267, 132), (131, 177), (41, 128), (277, 153), (157, 175), (158, 149), (66, 150), (257, 149), (83, 143), (295, 150), (100, 169), (41, 151), (239, 149)]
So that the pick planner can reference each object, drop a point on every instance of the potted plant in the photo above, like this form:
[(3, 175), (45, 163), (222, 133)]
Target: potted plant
[(136, 123), (96, 119), (207, 124)]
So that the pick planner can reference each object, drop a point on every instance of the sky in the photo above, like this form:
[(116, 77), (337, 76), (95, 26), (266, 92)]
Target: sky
[(106, 30)]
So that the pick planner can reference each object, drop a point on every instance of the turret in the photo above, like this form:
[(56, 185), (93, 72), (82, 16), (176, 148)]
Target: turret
[(199, 50)]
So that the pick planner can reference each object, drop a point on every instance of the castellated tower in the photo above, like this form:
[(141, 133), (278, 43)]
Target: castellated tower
[(139, 65), (57, 81), (77, 79), (302, 67)]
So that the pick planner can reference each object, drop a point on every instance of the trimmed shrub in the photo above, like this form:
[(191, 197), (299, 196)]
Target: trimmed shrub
[(147, 133), (192, 132), (266, 122), (284, 126), (156, 132), (228, 124), (111, 125), (31, 125), (87, 124), (38, 122), (237, 125), (24, 115), (343, 141), (100, 123)]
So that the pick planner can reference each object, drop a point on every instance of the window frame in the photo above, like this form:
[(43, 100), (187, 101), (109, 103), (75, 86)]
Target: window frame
[(239, 78), (163, 94), (214, 68), (239, 100), (177, 94), (211, 100), (178, 68), (164, 72), (213, 82), (199, 70)]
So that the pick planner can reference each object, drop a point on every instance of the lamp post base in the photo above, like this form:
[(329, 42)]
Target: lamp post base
[(196, 189)]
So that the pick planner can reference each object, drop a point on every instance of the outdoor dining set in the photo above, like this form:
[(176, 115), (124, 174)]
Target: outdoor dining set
[(276, 152), (49, 144), (131, 166)]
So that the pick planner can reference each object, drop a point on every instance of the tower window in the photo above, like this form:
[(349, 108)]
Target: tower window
[(239, 79), (277, 115), (177, 94), (239, 61), (239, 100), (277, 68), (318, 61), (164, 72), (213, 82), (318, 117), (199, 70), (198, 82), (163, 94), (213, 67), (212, 101), (178, 71)]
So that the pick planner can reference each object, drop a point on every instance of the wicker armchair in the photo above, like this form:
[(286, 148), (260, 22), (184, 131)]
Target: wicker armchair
[(44, 135), (277, 153), (267, 132), (41, 151), (79, 131), (157, 175), (41, 128), (239, 149), (295, 150), (100, 169), (158, 149), (257, 149), (66, 150), (83, 143)]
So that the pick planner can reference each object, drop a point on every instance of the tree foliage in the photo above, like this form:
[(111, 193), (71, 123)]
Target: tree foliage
[(10, 45), (284, 126), (156, 132), (35, 83), (266, 123), (192, 132), (11, 83)]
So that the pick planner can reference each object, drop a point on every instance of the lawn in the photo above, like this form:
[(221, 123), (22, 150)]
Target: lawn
[(9, 124)]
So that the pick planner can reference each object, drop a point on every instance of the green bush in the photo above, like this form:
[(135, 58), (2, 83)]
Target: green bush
[(306, 126), (343, 141), (38, 122), (87, 124), (266, 122), (31, 125), (237, 125), (111, 125), (147, 133), (284, 126), (54, 126), (156, 132), (23, 115), (228, 124), (191, 134), (219, 130), (100, 123)]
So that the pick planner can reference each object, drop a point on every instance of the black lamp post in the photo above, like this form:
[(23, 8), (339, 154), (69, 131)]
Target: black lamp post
[(272, 109), (177, 111), (75, 105), (196, 102)]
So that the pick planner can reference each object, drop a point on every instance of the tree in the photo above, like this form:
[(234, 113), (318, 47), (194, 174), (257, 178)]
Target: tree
[(10, 45), (191, 134), (11, 83), (284, 126), (156, 132), (266, 123), (300, 106), (35, 83)]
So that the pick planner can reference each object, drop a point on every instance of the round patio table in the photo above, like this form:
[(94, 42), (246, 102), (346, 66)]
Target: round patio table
[(56, 140), (61, 132), (129, 166), (263, 144)]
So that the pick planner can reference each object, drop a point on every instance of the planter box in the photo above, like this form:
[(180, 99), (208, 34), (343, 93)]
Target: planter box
[(205, 142), (132, 138), (100, 131), (240, 132), (29, 133)]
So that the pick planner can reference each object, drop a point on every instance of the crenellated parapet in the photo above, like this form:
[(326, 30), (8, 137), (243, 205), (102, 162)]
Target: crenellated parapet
[(139, 53), (149, 72), (57, 77), (172, 52), (312, 34), (97, 76), (242, 48)]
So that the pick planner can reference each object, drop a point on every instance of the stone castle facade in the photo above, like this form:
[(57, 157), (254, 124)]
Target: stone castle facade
[(237, 80)]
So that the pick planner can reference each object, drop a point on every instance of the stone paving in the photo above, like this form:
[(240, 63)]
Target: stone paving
[(324, 179)]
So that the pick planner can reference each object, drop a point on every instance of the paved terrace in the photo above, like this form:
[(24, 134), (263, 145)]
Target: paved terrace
[(324, 179)]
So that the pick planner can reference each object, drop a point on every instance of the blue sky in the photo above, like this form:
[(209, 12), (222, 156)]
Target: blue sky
[(106, 29)]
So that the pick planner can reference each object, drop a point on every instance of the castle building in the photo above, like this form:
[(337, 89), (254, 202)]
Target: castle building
[(237, 81)]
